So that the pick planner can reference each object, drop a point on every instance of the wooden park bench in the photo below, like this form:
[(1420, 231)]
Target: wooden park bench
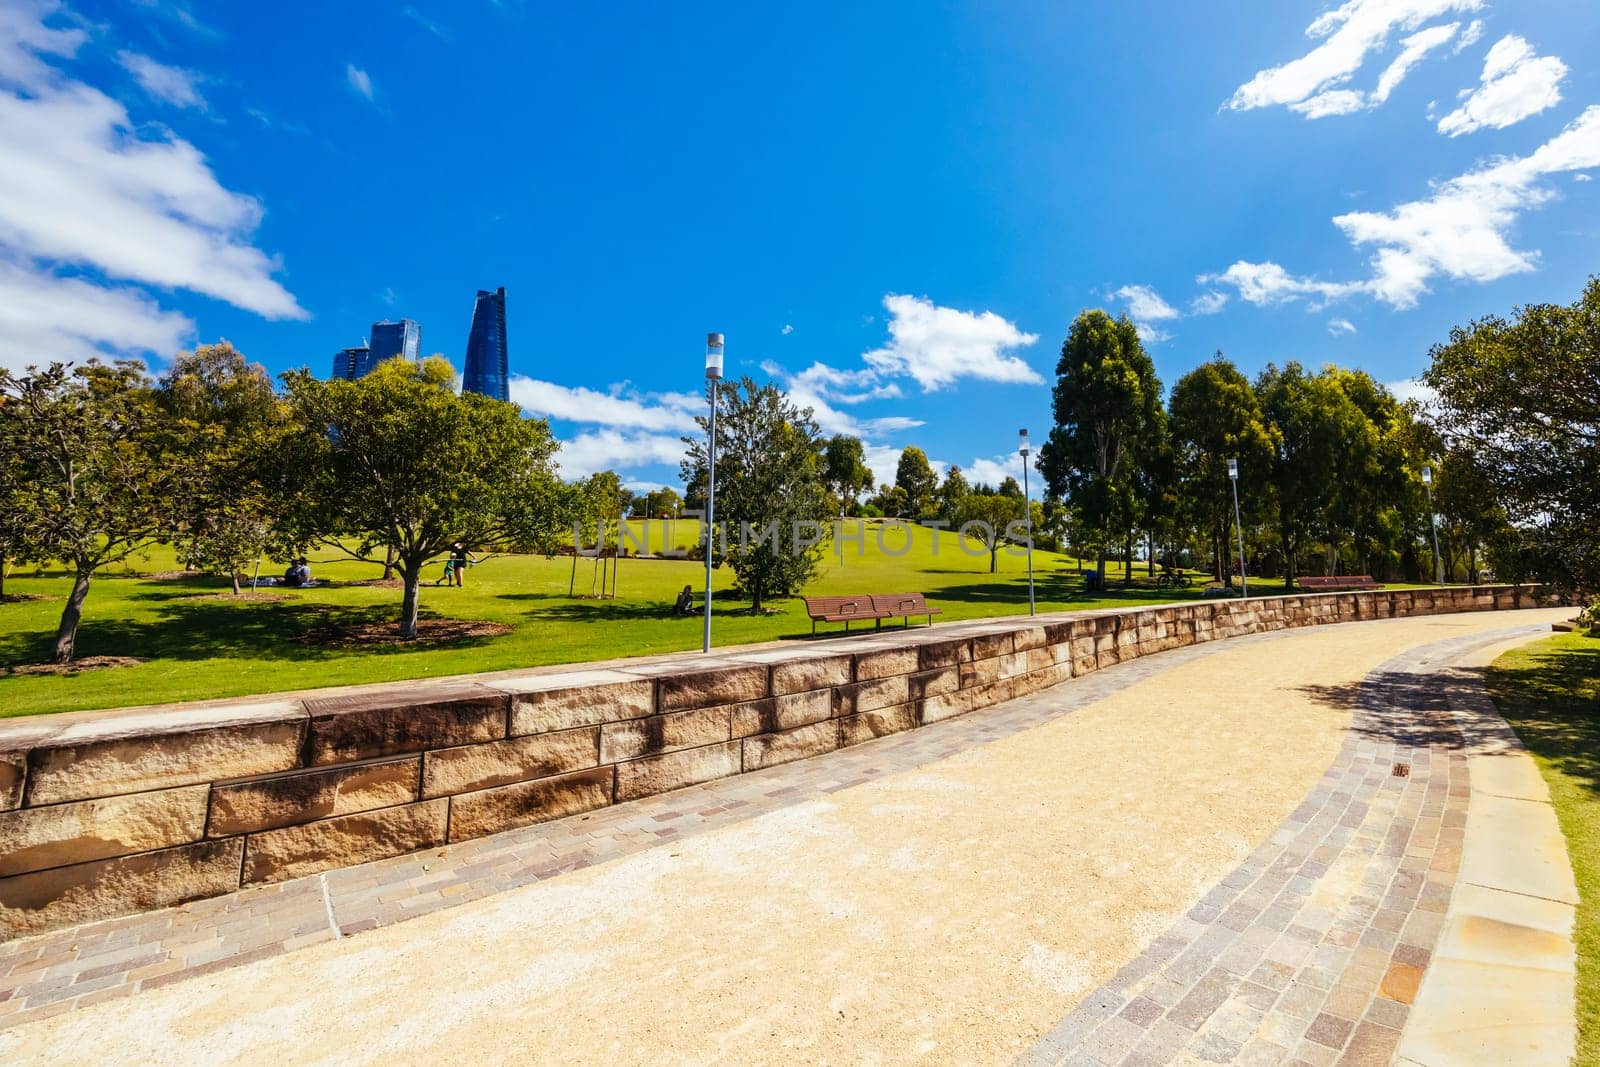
[(848, 609), (1339, 583)]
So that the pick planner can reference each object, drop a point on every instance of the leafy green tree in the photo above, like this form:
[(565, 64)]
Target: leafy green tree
[(952, 492), (18, 521), (989, 515), (224, 418), (1215, 417), (1106, 403), (1520, 399), (770, 470), (1010, 487), (93, 449), (845, 470), (396, 460), (914, 475), (663, 502)]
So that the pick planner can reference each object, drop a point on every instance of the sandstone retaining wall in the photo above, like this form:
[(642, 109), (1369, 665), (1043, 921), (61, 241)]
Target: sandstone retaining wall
[(104, 813)]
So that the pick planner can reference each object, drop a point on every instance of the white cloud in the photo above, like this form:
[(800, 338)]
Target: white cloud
[(1461, 231), (992, 471), (1268, 283), (938, 346), (87, 201), (44, 318), (1470, 36), (360, 81), (1146, 308), (608, 449), (1412, 389), (1315, 83), (425, 22), (672, 411), (1340, 327), (820, 387), (1208, 303), (1583, 177), (1516, 83), (174, 85), (787, 329)]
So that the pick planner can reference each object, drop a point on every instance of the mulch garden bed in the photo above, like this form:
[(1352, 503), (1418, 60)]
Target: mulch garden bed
[(379, 634), (255, 596), (77, 666)]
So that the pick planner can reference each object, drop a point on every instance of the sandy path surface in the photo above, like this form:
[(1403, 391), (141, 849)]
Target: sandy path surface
[(951, 914)]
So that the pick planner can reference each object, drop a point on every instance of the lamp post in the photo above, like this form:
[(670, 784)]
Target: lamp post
[(1027, 510), (1233, 480), (1433, 520), (713, 375)]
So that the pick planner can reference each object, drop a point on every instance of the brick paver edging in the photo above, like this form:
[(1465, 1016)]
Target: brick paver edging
[(108, 813), (1312, 950)]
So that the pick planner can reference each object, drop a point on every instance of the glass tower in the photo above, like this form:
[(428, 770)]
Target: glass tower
[(352, 363), (391, 339), (486, 347)]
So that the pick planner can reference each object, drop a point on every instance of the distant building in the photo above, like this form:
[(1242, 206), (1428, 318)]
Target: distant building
[(486, 347), (391, 339), (352, 363)]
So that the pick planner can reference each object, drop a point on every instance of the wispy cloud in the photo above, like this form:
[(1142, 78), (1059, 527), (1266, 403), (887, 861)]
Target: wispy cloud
[(426, 23), (1147, 308), (178, 12), (1316, 84), (1516, 83), (938, 346), (787, 329), (1341, 327), (173, 85), (619, 408), (360, 82), (1208, 303)]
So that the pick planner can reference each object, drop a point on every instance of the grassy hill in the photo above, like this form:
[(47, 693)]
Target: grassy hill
[(197, 645)]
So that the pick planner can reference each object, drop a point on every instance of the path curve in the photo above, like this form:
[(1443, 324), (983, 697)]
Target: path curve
[(923, 896)]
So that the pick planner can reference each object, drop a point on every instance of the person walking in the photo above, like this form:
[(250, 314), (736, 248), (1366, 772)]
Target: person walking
[(459, 558)]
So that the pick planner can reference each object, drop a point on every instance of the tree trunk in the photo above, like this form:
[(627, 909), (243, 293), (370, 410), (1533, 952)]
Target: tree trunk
[(412, 574), (1127, 560), (234, 574), (1100, 568), (388, 563), (994, 557), (1288, 565), (1150, 555), (67, 632)]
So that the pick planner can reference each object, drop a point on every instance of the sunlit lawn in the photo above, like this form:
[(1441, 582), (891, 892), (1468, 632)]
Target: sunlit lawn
[(1550, 693), (199, 647)]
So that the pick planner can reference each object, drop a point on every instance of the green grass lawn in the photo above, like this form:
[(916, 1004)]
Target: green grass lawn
[(1550, 693), (198, 646)]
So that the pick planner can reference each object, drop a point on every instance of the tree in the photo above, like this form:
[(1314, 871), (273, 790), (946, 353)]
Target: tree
[(1105, 405), (845, 470), (1010, 487), (770, 490), (18, 518), (914, 475), (988, 515), (224, 417), (93, 449), (663, 502), (396, 460), (1520, 400), (1215, 418), (1319, 436), (954, 490)]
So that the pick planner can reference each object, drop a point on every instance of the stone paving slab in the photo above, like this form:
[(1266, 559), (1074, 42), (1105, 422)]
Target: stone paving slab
[(62, 970), (1313, 949)]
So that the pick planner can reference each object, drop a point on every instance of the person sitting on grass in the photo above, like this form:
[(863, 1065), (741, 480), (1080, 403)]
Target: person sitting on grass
[(685, 602), (298, 574)]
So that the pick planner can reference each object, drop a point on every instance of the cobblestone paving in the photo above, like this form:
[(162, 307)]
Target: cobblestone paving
[(62, 970), (1311, 951)]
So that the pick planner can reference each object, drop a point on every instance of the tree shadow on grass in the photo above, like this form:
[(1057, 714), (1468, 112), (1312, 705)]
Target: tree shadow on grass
[(556, 607), (202, 630)]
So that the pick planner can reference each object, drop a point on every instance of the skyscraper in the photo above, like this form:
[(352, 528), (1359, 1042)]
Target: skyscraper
[(486, 347), (352, 363), (391, 339)]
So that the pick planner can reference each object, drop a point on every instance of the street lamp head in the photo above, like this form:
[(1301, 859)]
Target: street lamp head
[(1427, 476), (1233, 469), (1022, 442), (713, 356)]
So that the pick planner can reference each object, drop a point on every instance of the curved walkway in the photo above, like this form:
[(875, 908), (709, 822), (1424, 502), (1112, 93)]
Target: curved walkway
[(919, 896)]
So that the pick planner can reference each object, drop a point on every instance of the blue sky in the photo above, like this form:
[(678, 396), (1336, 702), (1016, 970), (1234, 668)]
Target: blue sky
[(894, 209)]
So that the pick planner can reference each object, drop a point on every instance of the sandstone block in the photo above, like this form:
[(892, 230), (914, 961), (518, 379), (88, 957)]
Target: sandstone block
[(864, 727), (66, 896), (403, 718), (1109, 657), (1031, 637), (988, 646), (881, 693), (933, 683), (949, 705), (489, 811), (547, 710), (1039, 658), (786, 712), (302, 796), (663, 733), (980, 672), (937, 654), (1013, 665), (516, 759), (344, 841), (885, 663), (32, 839), (13, 771), (800, 676), (767, 750), (674, 770), (719, 685)]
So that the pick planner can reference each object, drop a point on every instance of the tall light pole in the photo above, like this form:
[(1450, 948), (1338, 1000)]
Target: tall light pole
[(713, 375), (1027, 510), (1433, 520), (1233, 480)]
